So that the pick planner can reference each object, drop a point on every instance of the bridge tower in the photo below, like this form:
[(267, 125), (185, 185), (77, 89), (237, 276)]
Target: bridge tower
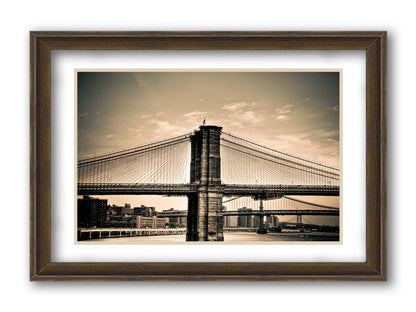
[(262, 228), (205, 220)]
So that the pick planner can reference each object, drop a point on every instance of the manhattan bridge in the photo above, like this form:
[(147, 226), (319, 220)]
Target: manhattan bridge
[(212, 168)]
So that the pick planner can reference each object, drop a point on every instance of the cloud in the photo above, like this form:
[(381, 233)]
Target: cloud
[(320, 146), (165, 129), (240, 113), (194, 117), (235, 123), (282, 118), (237, 106), (249, 116), (193, 114), (281, 113), (286, 109)]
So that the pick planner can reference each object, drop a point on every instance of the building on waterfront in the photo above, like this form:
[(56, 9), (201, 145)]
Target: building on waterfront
[(120, 221), (127, 209), (144, 211), (175, 222), (230, 221), (245, 221), (119, 216), (114, 210), (151, 222), (91, 212), (255, 221), (272, 221), (94, 212)]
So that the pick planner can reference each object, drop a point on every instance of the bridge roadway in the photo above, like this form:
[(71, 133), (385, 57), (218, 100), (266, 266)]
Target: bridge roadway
[(288, 212), (228, 190)]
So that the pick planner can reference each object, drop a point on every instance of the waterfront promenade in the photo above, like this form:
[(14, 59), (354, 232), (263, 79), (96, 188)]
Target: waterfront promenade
[(229, 237)]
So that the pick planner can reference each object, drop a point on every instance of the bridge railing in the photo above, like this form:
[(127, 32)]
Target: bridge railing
[(188, 188)]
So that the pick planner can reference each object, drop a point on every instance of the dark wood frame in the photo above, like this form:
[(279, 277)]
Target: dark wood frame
[(41, 45)]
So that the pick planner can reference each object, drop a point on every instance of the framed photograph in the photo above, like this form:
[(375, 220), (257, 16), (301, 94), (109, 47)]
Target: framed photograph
[(208, 156)]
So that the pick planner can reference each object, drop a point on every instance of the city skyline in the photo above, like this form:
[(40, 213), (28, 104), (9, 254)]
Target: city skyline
[(127, 211)]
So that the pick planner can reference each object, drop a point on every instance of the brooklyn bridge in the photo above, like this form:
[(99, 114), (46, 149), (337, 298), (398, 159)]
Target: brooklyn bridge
[(212, 167)]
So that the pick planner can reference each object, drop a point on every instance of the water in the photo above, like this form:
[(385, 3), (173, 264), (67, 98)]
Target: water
[(229, 237)]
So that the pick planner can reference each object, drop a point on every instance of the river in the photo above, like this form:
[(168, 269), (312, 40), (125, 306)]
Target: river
[(229, 237)]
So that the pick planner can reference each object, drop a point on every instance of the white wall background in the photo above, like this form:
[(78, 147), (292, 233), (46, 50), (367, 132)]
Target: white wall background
[(18, 17)]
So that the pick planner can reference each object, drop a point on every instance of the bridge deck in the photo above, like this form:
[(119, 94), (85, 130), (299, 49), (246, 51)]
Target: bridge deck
[(288, 212), (264, 191)]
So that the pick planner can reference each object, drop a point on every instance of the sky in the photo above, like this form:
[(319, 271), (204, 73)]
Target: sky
[(293, 112)]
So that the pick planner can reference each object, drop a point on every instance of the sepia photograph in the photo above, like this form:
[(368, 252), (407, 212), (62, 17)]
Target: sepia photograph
[(221, 156)]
